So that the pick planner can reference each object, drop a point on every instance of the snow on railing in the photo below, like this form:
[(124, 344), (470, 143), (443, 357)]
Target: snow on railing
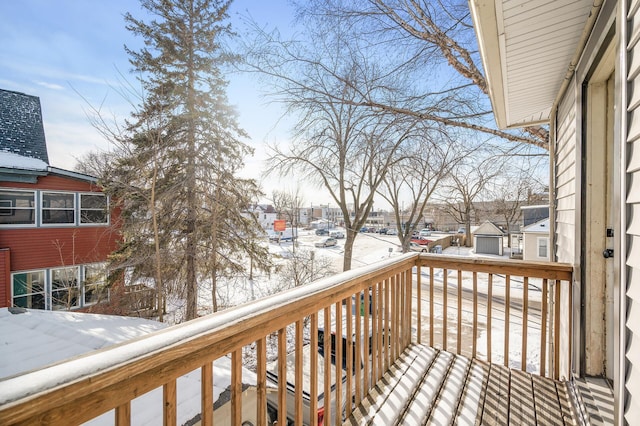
[(351, 326)]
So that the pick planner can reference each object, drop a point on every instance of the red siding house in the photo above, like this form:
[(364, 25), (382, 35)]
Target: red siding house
[(56, 228)]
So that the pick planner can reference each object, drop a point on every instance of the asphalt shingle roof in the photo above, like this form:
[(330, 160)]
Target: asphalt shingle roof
[(21, 128)]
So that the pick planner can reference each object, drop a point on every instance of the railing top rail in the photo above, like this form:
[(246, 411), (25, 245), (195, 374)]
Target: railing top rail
[(173, 352), (548, 270)]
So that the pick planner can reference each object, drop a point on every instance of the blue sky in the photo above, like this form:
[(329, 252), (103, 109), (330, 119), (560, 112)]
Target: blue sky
[(70, 53)]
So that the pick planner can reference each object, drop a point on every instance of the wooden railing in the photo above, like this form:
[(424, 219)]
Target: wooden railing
[(377, 301), (505, 300)]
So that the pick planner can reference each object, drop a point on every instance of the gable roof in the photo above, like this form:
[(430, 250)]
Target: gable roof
[(488, 228), (540, 227), (21, 128), (524, 75)]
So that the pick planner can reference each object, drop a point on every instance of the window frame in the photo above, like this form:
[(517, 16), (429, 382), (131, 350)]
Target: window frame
[(42, 209), (544, 240), (97, 285), (44, 291), (70, 288), (34, 209), (106, 209)]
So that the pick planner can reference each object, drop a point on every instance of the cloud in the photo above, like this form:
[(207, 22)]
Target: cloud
[(52, 86)]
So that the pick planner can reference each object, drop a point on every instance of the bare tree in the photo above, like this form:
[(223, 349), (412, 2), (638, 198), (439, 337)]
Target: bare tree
[(426, 161), (429, 32), (467, 183)]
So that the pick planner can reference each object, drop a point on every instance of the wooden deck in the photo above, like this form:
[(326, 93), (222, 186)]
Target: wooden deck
[(431, 386)]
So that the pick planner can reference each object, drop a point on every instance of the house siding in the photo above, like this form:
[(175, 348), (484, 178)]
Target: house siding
[(632, 202), (565, 171)]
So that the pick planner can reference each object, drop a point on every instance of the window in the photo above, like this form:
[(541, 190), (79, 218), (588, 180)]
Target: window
[(17, 208), (64, 288), (542, 247), (58, 208), (29, 290), (95, 284), (94, 208)]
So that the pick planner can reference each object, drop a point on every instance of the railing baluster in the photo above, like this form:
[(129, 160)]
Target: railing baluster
[(206, 393), (299, 373), (525, 311), (381, 331), (419, 301), (543, 329), (169, 403), (569, 326), (361, 341), (282, 376), (313, 370), (366, 342), (327, 364), (408, 285), (431, 314), (459, 302), (394, 306), (338, 364), (373, 340), (350, 355), (475, 314), (507, 318), (489, 315), (444, 309), (236, 387), (123, 414), (556, 331), (387, 326)]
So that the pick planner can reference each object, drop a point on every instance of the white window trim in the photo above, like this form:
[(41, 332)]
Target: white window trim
[(45, 285), (58, 225), (48, 285), (538, 245), (35, 208), (79, 209), (84, 278)]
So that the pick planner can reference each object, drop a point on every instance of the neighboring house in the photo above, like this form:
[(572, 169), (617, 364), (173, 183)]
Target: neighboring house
[(265, 214), (488, 238), (533, 214), (535, 241), (575, 66), (33, 340), (55, 225)]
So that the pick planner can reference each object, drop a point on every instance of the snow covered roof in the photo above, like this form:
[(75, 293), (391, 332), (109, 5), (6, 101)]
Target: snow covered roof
[(540, 227), (10, 160), (31, 339), (488, 228)]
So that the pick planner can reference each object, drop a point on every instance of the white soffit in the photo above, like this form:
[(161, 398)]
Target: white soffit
[(526, 48)]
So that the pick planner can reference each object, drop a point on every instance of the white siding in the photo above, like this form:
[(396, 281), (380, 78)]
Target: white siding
[(632, 202), (565, 172)]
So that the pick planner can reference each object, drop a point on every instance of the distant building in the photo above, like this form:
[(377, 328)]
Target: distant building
[(535, 241), (56, 227)]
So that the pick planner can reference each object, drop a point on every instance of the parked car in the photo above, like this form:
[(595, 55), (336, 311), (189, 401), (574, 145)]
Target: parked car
[(425, 232), (336, 234), (322, 231), (420, 240), (327, 242), (392, 231), (383, 230), (462, 230), (417, 247)]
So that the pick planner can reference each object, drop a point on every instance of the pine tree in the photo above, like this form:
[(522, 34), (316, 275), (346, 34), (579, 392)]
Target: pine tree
[(185, 151)]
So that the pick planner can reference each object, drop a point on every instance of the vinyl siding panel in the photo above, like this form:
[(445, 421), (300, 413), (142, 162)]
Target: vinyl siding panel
[(565, 171), (632, 225)]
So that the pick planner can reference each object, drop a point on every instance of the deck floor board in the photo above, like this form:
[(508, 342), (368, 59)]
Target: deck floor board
[(430, 386)]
